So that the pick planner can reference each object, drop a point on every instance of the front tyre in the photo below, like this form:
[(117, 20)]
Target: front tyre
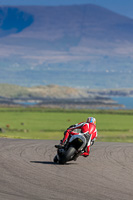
[(69, 154)]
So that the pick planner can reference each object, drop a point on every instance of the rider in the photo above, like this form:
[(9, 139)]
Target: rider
[(88, 129)]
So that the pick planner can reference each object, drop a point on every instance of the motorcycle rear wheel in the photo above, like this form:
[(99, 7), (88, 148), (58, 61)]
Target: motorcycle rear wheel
[(55, 159), (69, 154)]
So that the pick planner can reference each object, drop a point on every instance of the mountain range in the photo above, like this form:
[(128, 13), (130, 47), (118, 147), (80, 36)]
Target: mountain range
[(79, 46)]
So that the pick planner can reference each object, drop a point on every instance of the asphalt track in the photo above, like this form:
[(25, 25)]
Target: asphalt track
[(27, 172)]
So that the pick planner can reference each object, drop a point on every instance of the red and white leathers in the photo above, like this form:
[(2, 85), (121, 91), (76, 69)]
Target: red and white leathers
[(85, 128)]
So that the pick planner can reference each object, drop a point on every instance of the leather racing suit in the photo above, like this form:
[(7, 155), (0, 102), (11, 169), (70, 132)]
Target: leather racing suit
[(86, 129)]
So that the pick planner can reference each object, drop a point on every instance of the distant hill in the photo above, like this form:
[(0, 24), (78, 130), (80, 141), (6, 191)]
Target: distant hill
[(48, 91), (65, 45), (58, 96)]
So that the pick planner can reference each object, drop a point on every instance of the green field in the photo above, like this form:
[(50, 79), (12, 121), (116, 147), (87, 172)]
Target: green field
[(40, 123)]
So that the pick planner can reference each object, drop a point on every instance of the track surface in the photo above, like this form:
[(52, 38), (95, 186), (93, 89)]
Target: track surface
[(27, 172)]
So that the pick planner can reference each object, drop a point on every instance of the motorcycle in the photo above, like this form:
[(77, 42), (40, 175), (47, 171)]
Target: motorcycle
[(75, 146)]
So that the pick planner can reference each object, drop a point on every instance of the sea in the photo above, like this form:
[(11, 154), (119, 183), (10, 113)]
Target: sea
[(126, 101)]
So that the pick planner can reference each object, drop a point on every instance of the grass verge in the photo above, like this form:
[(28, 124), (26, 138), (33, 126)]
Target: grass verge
[(40, 123)]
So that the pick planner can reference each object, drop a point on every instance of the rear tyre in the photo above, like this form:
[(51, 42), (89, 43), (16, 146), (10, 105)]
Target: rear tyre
[(69, 154), (55, 159)]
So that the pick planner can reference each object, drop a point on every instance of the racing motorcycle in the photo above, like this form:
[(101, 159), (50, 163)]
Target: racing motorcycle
[(75, 146)]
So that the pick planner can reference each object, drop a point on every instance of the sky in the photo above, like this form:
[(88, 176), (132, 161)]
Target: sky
[(123, 7)]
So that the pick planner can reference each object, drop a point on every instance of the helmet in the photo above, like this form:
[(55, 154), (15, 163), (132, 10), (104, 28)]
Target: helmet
[(91, 120)]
